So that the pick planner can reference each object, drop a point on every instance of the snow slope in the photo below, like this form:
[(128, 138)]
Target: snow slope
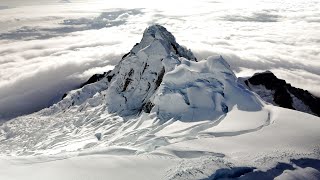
[(224, 150), (161, 114)]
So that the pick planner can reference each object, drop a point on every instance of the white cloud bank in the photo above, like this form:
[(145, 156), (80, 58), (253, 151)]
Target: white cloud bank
[(46, 50)]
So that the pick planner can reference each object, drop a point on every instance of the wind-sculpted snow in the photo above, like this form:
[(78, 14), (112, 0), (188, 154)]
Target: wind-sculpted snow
[(160, 105), (202, 90), (156, 87)]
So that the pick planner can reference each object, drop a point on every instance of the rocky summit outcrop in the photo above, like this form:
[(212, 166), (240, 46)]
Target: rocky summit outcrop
[(279, 92)]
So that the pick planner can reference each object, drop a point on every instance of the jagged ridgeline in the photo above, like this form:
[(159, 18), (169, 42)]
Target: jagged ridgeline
[(159, 75), (279, 93)]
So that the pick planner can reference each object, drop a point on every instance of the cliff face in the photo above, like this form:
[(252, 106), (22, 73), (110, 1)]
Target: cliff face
[(279, 92)]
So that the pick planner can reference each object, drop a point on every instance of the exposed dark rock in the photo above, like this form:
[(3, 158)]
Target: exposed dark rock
[(177, 51), (145, 67), (147, 107), (282, 97), (160, 77), (283, 92), (109, 77), (64, 95), (125, 55), (225, 108), (175, 48), (98, 136), (131, 72), (95, 78), (126, 84)]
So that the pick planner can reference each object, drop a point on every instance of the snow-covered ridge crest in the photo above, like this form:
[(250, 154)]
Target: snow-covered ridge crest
[(158, 75)]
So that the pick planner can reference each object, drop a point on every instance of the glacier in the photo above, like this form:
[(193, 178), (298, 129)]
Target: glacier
[(162, 114)]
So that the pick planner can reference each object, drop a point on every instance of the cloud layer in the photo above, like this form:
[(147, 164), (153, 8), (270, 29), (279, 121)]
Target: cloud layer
[(56, 47)]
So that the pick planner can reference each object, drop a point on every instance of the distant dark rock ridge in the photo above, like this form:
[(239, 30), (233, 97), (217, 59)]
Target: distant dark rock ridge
[(283, 94)]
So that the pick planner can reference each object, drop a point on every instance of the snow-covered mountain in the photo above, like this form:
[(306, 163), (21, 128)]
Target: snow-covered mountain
[(158, 75), (162, 114), (278, 92)]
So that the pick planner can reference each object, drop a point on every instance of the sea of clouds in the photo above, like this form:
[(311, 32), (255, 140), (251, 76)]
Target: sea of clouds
[(49, 49)]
